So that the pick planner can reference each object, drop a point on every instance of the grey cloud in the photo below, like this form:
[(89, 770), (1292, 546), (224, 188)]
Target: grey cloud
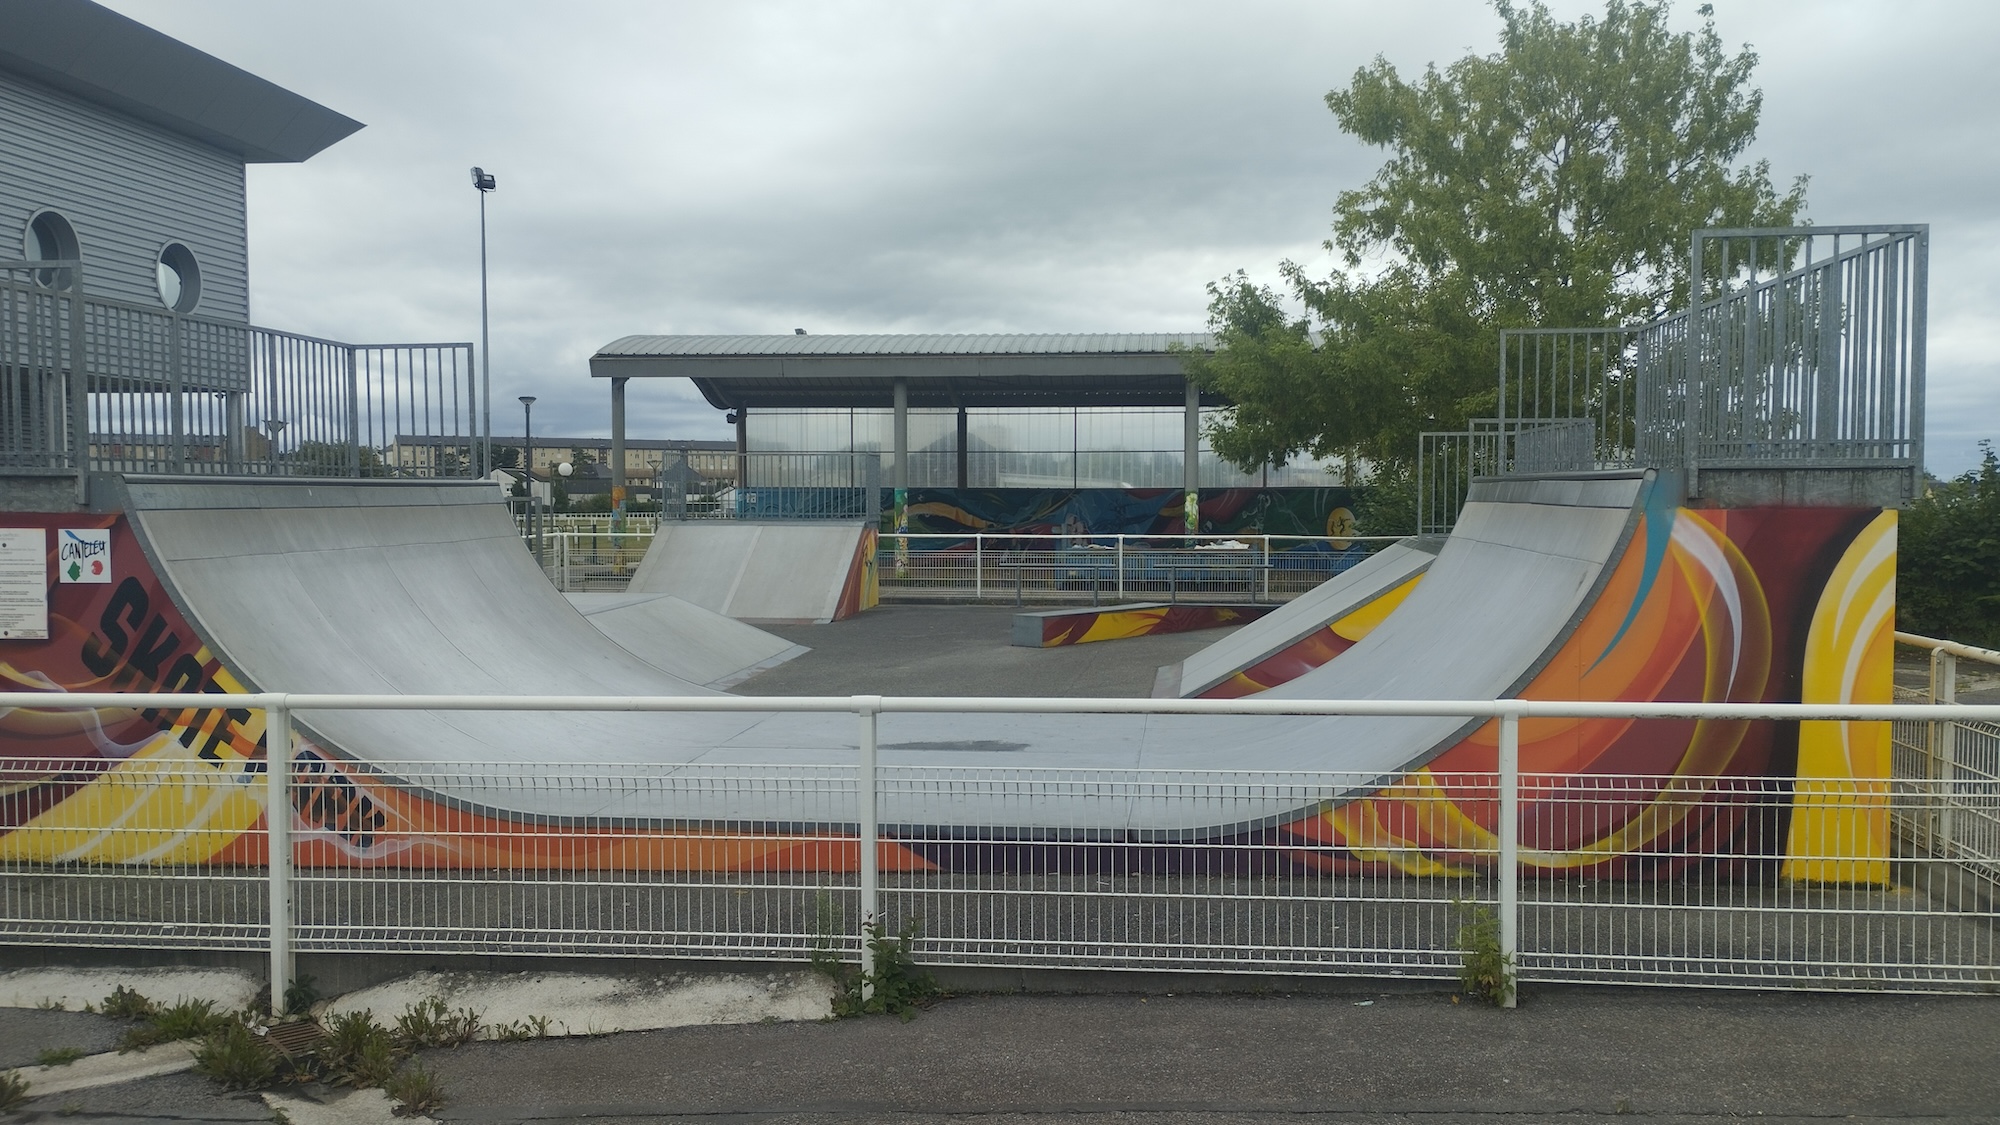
[(1027, 166)]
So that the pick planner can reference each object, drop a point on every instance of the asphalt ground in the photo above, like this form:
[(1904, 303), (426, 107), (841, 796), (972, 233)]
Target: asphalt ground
[(962, 650), (1567, 1054)]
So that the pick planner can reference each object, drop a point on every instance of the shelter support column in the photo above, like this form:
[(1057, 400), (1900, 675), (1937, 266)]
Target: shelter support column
[(902, 427), (962, 428), (617, 447), (1191, 455), (742, 416)]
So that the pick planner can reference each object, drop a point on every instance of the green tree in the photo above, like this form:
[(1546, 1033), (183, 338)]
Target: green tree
[(1948, 558), (1553, 183)]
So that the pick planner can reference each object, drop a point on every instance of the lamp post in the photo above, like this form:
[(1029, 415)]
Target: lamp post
[(528, 470), (483, 182)]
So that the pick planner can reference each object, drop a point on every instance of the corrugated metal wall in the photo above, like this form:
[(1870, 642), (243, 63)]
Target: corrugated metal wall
[(128, 188)]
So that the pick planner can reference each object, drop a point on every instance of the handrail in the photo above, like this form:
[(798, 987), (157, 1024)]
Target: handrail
[(1017, 705), (1970, 652)]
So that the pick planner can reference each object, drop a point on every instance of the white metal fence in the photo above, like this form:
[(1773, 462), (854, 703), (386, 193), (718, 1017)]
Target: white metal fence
[(1107, 569), (1703, 900), (1954, 763), (582, 555)]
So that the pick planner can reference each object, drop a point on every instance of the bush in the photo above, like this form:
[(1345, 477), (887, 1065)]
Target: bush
[(1948, 565), (236, 1059)]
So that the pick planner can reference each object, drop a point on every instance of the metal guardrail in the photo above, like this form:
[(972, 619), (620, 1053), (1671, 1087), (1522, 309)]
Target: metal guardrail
[(168, 392), (583, 554), (1803, 347), (1693, 911), (1104, 569), (1955, 763)]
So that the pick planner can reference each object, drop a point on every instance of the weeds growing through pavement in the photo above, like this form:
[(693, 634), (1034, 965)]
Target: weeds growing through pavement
[(236, 1058), (415, 1090), (1486, 972), (60, 1056), (13, 1091), (186, 1019), (896, 987)]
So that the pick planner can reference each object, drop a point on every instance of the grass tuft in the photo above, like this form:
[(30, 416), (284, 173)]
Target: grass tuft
[(415, 1091), (60, 1056)]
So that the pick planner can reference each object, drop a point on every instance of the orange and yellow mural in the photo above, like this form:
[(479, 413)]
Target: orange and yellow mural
[(1756, 604)]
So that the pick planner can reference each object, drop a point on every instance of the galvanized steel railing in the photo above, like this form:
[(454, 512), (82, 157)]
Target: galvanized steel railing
[(166, 392), (1805, 348)]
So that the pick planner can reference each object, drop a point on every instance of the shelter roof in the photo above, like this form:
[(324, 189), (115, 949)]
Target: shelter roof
[(95, 54), (982, 370)]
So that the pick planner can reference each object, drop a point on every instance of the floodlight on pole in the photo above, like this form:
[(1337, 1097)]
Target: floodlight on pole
[(528, 471), (483, 182)]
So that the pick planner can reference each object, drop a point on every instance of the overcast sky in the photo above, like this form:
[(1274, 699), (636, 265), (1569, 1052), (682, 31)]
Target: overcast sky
[(965, 167)]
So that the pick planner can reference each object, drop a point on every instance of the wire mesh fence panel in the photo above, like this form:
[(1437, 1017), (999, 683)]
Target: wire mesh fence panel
[(159, 851), (1249, 890), (1111, 569), (594, 560), (659, 869), (1746, 882)]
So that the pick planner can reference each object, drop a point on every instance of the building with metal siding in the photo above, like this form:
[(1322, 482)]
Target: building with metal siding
[(139, 142), (128, 189)]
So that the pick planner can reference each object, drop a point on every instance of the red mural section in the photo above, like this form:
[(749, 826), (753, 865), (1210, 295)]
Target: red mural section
[(1717, 606)]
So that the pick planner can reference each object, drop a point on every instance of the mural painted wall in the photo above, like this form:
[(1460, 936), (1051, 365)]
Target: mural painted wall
[(1749, 604), (1116, 623)]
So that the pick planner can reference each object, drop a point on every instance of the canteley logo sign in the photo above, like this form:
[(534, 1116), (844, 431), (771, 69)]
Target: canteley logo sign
[(84, 556)]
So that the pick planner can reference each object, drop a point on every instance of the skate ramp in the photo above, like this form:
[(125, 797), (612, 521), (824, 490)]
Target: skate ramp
[(406, 589), (796, 572), (1295, 627), (683, 639)]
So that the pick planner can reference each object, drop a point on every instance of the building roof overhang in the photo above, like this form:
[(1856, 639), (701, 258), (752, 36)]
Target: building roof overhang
[(95, 54), (996, 370)]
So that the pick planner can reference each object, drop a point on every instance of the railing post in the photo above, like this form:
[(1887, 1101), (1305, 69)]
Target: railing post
[(865, 792), (1121, 569), (278, 845), (978, 567), (1946, 691), (1510, 850), (353, 415)]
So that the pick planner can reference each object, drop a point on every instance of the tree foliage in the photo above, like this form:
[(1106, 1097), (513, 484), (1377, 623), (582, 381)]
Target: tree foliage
[(1948, 558), (1552, 183)]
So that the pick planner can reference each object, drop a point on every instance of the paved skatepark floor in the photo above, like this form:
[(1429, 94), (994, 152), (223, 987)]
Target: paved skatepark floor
[(1362, 1056), (962, 650)]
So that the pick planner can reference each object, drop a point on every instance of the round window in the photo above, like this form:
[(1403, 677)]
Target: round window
[(179, 278), (50, 238)]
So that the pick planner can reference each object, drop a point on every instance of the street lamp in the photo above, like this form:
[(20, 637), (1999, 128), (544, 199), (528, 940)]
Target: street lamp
[(528, 469), (483, 182), (275, 427)]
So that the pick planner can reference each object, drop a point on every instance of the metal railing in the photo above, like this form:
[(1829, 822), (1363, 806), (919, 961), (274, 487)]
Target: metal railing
[(653, 876), (584, 554), (1954, 764), (1449, 461), (1808, 346), (1804, 347), (1108, 569), (168, 392)]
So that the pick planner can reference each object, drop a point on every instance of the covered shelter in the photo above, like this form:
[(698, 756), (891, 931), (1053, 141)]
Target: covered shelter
[(900, 371)]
